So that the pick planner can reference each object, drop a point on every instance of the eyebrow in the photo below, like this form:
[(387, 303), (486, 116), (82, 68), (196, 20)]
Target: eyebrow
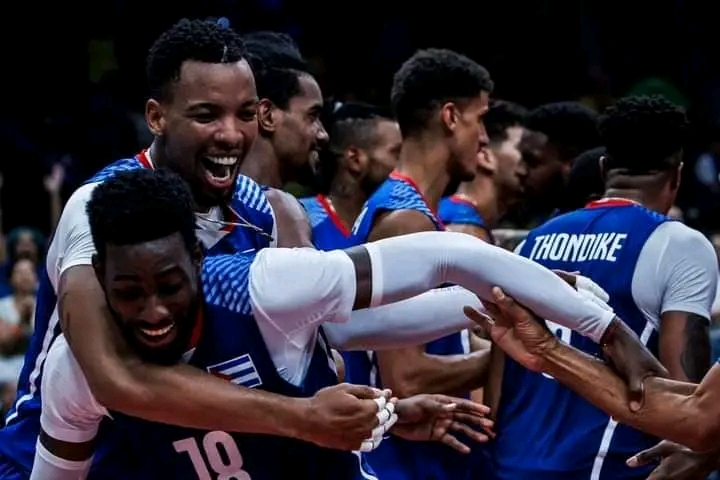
[(211, 106), (173, 269)]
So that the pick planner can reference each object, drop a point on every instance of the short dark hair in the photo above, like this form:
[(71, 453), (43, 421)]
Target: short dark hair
[(570, 125), (140, 206), (277, 64), (502, 115), (641, 133), (350, 123), (585, 182), (187, 40), (430, 78)]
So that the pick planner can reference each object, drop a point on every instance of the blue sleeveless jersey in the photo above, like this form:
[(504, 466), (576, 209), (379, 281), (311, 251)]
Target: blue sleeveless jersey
[(396, 458), (18, 437), (545, 431), (455, 210), (232, 347), (328, 231)]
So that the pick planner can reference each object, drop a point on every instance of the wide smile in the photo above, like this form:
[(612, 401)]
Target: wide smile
[(220, 170), (157, 336)]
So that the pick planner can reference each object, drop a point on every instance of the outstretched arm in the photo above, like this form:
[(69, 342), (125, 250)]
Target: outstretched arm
[(682, 412), (395, 269)]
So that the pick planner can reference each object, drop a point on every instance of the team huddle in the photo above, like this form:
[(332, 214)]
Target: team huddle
[(197, 322)]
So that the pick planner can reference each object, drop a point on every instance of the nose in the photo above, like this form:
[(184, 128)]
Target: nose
[(229, 132), (154, 311), (484, 140), (322, 136)]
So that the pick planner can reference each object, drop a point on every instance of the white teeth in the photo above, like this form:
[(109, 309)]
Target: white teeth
[(157, 332), (227, 161)]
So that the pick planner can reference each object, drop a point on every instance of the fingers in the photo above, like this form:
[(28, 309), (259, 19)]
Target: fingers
[(480, 318), (465, 405), (636, 393), (469, 432), (652, 454), (587, 285), (385, 418), (363, 392), (452, 442)]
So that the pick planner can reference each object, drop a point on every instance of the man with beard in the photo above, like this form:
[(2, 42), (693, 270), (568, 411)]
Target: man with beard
[(479, 204), (556, 133), (202, 112), (290, 105), (364, 146)]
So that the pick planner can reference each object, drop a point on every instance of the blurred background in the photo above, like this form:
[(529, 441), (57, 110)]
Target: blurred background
[(74, 72)]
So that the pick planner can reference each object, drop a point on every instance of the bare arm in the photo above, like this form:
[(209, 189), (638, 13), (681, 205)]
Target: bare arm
[(685, 345), (668, 411), (411, 371), (179, 394), (293, 225)]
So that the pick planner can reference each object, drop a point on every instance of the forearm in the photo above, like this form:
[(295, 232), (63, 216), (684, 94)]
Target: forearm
[(48, 466), (446, 374), (161, 394), (460, 259), (415, 321), (667, 411)]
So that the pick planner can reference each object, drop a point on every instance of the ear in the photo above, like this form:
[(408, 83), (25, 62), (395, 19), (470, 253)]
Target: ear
[(155, 117), (449, 116), (678, 176), (197, 256), (487, 160), (267, 115), (602, 165), (356, 160), (99, 269)]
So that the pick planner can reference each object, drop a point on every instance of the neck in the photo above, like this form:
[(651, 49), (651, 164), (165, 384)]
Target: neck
[(262, 165), (155, 152), (483, 193), (347, 199), (638, 195), (426, 163)]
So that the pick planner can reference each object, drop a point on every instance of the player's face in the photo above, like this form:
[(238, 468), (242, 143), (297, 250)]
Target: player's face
[(383, 157), (152, 290), (509, 165), (469, 138), (208, 126), (300, 134), (543, 170)]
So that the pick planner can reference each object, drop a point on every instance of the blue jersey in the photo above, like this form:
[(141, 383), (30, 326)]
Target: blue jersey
[(456, 210), (232, 347), (18, 437), (396, 458), (328, 230), (545, 431)]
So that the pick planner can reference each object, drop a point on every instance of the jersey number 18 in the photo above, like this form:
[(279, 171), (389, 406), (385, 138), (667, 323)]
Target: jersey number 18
[(228, 468)]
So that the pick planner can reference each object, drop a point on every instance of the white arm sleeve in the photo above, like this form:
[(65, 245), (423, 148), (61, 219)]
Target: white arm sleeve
[(297, 288), (411, 322), (72, 243), (48, 466), (70, 413), (408, 265)]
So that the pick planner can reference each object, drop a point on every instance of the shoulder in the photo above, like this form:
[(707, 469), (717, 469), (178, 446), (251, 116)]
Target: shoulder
[(400, 222), (224, 280), (678, 235)]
